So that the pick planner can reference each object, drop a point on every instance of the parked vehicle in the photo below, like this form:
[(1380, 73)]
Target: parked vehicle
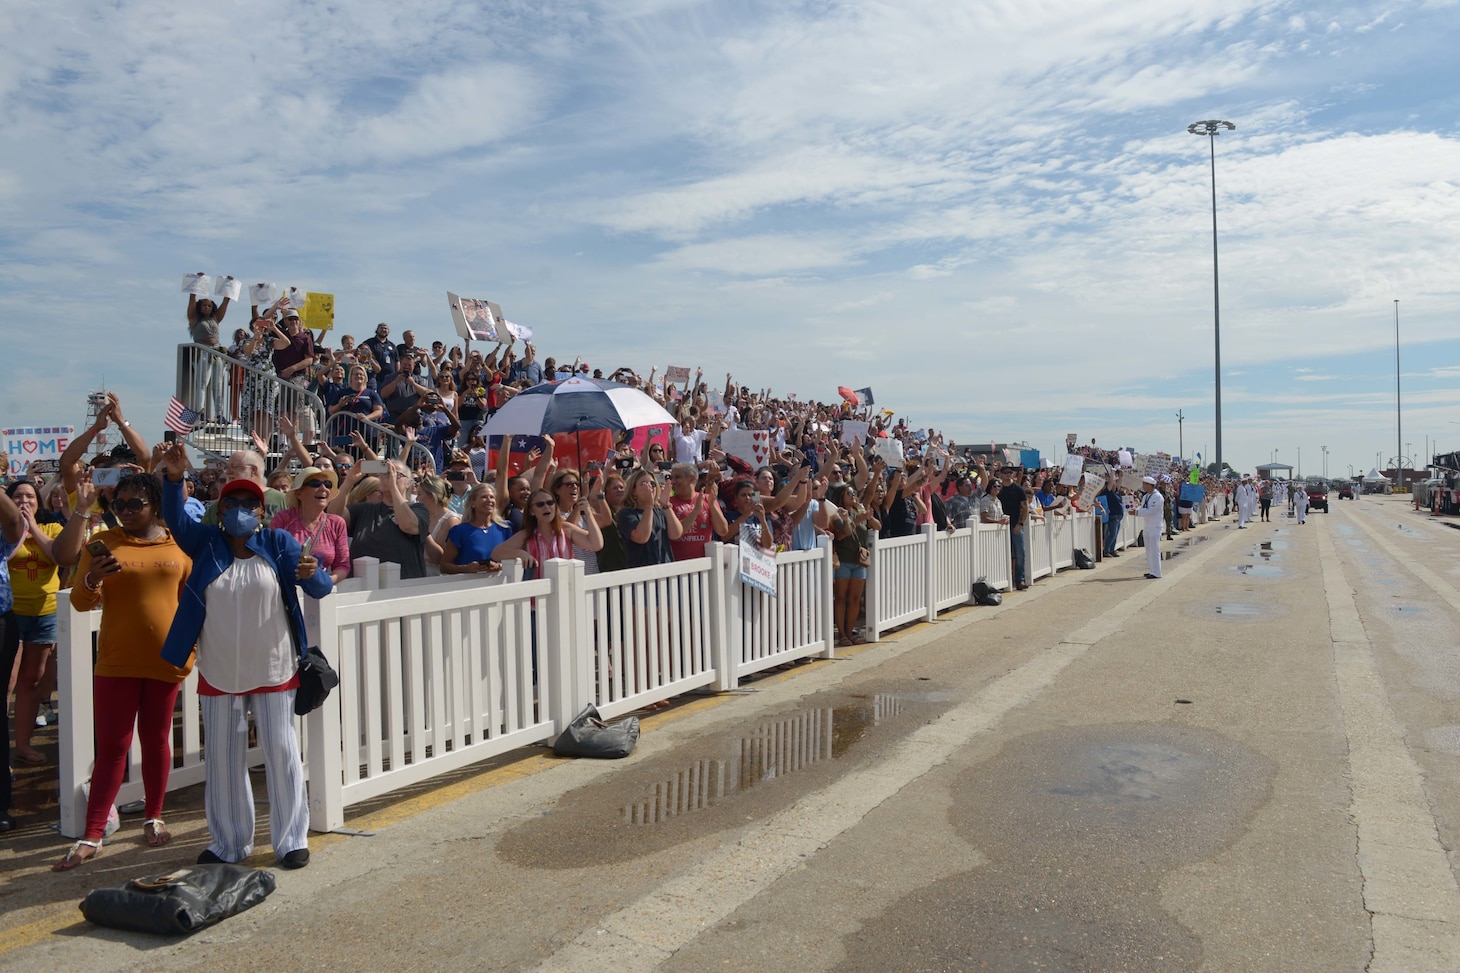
[(1317, 495), (1345, 489)]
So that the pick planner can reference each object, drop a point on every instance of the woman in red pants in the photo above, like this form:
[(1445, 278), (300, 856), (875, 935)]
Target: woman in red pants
[(137, 584)]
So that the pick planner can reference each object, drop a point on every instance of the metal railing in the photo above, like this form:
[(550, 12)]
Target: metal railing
[(386, 442), (237, 400)]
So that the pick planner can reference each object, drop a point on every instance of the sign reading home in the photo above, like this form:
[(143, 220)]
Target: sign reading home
[(25, 445)]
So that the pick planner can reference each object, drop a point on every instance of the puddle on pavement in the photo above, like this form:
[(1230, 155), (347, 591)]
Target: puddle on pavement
[(718, 780), (1079, 825), (772, 751), (1176, 548), (1446, 739), (1260, 570), (1409, 609), (1235, 611)]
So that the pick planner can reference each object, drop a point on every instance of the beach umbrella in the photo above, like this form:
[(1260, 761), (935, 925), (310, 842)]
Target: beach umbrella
[(849, 395), (576, 405)]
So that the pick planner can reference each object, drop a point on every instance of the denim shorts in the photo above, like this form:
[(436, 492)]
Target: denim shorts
[(37, 629), (845, 570)]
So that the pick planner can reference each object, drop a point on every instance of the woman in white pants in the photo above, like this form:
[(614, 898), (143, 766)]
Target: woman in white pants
[(241, 608)]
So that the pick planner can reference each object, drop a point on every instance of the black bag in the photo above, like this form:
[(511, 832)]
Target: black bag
[(984, 594), (1083, 561), (589, 736), (316, 679), (181, 901)]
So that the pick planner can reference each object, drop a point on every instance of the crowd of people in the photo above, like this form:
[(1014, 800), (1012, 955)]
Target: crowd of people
[(219, 566)]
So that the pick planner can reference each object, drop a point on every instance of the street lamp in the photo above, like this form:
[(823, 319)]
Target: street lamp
[(1180, 440), (1398, 410), (1325, 462), (1211, 128)]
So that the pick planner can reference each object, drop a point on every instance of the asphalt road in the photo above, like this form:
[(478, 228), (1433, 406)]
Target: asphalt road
[(1251, 764)]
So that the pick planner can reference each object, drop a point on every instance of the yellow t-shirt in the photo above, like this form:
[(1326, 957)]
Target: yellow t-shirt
[(33, 577)]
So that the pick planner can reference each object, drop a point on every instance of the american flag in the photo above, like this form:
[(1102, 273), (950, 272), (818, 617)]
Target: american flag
[(180, 419)]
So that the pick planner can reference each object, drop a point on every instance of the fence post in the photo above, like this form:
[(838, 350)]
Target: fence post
[(366, 569), (872, 630), (930, 570), (729, 652), (322, 735), (389, 574), (561, 639), (724, 613), (825, 594), (77, 724)]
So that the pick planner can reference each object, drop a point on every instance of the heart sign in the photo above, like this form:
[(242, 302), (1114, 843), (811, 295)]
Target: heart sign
[(751, 445)]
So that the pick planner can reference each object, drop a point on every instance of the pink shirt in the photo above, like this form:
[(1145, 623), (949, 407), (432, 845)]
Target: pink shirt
[(331, 547)]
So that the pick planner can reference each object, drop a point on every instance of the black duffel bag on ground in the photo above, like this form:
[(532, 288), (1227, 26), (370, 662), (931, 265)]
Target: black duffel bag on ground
[(181, 901), (1083, 561), (589, 736), (984, 594)]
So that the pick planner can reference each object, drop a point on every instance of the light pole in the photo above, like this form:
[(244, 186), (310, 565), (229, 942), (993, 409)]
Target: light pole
[(1351, 471), (1325, 462), (1180, 439), (1398, 409), (1211, 128)]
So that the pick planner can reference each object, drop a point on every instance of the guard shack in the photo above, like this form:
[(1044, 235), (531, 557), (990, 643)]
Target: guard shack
[(1274, 471)]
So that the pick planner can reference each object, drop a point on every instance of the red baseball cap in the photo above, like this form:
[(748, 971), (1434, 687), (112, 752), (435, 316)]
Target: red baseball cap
[(242, 486)]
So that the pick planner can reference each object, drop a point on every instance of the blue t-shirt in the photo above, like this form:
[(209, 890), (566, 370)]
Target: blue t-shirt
[(803, 536), (7, 597), (476, 543)]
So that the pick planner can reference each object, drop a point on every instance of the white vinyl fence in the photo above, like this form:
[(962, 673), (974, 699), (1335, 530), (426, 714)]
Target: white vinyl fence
[(438, 673)]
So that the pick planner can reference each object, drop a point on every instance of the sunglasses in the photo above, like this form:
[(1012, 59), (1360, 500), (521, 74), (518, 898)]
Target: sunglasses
[(569, 483), (234, 503), (128, 506), (316, 484), (544, 505)]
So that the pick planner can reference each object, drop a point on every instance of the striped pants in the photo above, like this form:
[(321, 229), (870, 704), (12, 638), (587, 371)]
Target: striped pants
[(228, 793)]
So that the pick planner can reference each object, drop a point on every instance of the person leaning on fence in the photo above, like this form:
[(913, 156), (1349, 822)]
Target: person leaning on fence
[(241, 609), (308, 520), (1114, 513), (388, 526), (849, 528), (12, 532), (1015, 504), (137, 585), (698, 509), (546, 535), (34, 581), (469, 545)]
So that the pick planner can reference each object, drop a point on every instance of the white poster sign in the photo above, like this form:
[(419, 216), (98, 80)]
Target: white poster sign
[(854, 433), (1074, 467), (751, 445), (263, 294), (890, 450), (199, 284), (473, 318), (757, 566), (24, 445), (1089, 490), (228, 287)]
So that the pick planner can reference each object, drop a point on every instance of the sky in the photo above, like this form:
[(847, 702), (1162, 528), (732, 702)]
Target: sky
[(991, 213)]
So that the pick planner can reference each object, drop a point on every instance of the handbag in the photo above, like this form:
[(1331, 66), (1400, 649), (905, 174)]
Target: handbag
[(864, 557), (589, 736), (316, 679), (180, 901)]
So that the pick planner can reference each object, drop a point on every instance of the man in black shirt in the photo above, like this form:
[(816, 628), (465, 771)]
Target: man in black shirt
[(1016, 507), (383, 352)]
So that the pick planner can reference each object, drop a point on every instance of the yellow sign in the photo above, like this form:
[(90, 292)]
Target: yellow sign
[(319, 311)]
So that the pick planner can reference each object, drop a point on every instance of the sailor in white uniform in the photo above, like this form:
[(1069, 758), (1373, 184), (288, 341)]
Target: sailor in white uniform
[(1300, 503), (1152, 509)]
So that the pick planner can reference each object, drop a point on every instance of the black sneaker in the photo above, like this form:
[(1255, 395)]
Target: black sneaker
[(297, 858), (206, 857)]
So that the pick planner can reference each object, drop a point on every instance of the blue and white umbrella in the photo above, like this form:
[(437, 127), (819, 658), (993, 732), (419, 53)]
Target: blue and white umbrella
[(574, 405)]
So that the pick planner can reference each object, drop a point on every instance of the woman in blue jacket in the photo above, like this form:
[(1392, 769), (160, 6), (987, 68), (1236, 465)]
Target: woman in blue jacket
[(241, 609)]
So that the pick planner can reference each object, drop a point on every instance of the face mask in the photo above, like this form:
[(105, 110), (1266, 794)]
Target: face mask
[(239, 522)]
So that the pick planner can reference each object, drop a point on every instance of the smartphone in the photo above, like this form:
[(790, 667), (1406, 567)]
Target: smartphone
[(624, 463), (755, 498), (97, 548), (106, 477), (665, 467), (456, 476), (169, 435), (374, 467), (594, 466)]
